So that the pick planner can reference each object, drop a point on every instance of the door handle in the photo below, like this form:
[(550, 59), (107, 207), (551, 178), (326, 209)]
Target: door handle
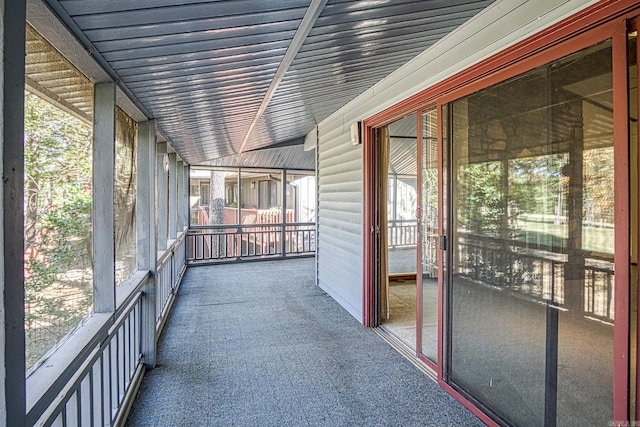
[(443, 243)]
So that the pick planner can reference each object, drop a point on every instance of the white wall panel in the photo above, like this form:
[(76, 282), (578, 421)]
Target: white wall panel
[(340, 254)]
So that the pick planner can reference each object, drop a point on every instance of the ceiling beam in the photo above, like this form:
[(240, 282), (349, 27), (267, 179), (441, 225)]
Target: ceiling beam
[(307, 23)]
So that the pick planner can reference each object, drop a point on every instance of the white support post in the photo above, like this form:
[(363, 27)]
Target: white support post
[(104, 132), (183, 207), (12, 338), (162, 196), (186, 204), (146, 233), (180, 201), (173, 196), (239, 215), (283, 228), (145, 196)]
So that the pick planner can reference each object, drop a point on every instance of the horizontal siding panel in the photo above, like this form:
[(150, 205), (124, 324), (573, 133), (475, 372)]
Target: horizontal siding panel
[(333, 131), (343, 260), (338, 144), (342, 161), (352, 196), (338, 229), (341, 217), (335, 188), (333, 148), (350, 222), (345, 178), (342, 148), (340, 168), (344, 235), (341, 237), (352, 159), (351, 180), (333, 127), (353, 169), (348, 301), (348, 244), (340, 275), (351, 207)]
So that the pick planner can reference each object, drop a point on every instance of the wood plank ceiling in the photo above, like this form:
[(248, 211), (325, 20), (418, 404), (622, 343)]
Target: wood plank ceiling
[(229, 76)]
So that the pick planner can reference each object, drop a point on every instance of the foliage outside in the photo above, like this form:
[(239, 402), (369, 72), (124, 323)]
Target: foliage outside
[(58, 265), (537, 195)]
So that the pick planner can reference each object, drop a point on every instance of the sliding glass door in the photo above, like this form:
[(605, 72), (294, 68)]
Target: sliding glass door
[(532, 282), (527, 229)]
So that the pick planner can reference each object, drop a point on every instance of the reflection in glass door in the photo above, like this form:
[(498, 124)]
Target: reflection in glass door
[(429, 209), (532, 280)]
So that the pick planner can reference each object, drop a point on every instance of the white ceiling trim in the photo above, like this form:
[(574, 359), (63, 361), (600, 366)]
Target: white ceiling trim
[(306, 25)]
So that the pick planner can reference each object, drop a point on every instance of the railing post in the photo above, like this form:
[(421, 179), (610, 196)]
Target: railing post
[(104, 133), (12, 338), (146, 229)]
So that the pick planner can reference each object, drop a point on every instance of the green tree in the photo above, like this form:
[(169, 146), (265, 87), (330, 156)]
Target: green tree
[(57, 224), (481, 198)]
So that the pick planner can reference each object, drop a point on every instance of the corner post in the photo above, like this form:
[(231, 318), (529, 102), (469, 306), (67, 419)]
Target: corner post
[(12, 336)]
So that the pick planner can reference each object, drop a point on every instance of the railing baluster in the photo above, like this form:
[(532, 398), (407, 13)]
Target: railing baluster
[(91, 401), (79, 405), (102, 390)]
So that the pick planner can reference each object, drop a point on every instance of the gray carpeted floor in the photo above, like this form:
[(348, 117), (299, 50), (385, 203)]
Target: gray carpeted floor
[(258, 344)]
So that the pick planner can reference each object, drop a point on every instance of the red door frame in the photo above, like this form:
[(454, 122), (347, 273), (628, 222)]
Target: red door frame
[(604, 20), (635, 26)]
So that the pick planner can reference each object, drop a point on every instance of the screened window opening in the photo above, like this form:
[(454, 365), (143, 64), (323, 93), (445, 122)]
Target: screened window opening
[(241, 213), (125, 196), (216, 197), (58, 197), (301, 197)]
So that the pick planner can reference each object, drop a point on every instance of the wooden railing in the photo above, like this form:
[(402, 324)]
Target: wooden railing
[(256, 216)]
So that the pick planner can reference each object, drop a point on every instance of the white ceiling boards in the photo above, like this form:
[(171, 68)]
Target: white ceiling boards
[(221, 77)]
